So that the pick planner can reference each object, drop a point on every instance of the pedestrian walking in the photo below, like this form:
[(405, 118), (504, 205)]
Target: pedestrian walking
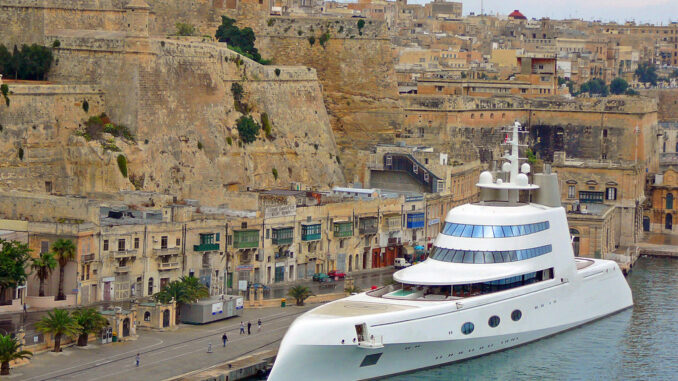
[(25, 308), (259, 325), (249, 327), (138, 359), (242, 328), (224, 339)]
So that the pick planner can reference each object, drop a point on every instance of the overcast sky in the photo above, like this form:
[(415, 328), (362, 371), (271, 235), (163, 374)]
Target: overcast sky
[(654, 11)]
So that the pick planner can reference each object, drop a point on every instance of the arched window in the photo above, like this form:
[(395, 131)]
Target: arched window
[(147, 316), (669, 201), (668, 224), (150, 286)]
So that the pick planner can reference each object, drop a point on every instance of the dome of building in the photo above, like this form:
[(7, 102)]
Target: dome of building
[(516, 15)]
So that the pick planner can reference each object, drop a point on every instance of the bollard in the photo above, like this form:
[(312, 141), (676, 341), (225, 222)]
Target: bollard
[(209, 348)]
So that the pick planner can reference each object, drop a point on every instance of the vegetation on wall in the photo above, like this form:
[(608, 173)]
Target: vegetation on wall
[(184, 29), (275, 173), (618, 86), (324, 38), (238, 92), (647, 73), (248, 129), (30, 63), (361, 25), (4, 89), (97, 125), (311, 40), (239, 40), (122, 164), (277, 72), (595, 86), (266, 124), (85, 106)]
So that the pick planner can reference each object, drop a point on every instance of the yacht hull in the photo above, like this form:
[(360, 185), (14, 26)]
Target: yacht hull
[(431, 335)]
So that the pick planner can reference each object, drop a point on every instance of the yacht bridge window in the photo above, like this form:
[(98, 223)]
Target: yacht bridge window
[(470, 256), (492, 231)]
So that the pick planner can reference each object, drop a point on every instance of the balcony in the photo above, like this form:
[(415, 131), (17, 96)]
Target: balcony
[(283, 236), (246, 239), (343, 229), (124, 253), (310, 232), (86, 258), (206, 247), (122, 268), (168, 265), (169, 250)]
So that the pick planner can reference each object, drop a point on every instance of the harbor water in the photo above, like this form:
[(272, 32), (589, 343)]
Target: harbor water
[(637, 344)]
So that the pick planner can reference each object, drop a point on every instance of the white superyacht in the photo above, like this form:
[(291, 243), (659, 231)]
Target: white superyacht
[(502, 273)]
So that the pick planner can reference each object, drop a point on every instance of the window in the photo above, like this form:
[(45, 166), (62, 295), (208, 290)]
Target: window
[(611, 193), (44, 247), (150, 286), (136, 242), (467, 328), (570, 191), (121, 245), (471, 256), (105, 245), (218, 237), (341, 243), (494, 321), (147, 316), (669, 201), (163, 242), (178, 242), (493, 231), (516, 315), (591, 197)]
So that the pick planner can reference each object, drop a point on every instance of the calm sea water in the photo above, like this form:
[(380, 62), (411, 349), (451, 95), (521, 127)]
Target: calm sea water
[(637, 344)]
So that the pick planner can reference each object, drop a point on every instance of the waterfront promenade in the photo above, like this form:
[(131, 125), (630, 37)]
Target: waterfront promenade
[(163, 354)]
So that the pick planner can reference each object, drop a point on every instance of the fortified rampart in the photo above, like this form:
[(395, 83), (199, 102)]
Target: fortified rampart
[(597, 128), (667, 103), (356, 67)]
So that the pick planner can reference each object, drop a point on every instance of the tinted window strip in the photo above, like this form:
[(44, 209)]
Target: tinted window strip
[(469, 256), (493, 231)]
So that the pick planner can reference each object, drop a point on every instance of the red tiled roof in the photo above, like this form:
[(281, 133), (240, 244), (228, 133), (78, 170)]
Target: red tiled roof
[(517, 15)]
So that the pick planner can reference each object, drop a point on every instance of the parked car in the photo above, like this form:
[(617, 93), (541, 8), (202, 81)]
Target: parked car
[(401, 263), (336, 274), (321, 277)]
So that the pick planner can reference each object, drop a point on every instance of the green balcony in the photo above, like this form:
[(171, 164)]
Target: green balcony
[(310, 232), (246, 239), (343, 229), (206, 247), (282, 236)]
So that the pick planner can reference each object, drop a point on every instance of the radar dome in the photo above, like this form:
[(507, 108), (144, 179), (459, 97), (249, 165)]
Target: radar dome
[(525, 168), (485, 178), (506, 167), (521, 180)]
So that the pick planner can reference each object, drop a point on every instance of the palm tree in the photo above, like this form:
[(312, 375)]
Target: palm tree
[(90, 321), (65, 252), (43, 266), (183, 291), (59, 323), (194, 288), (10, 349), (300, 293)]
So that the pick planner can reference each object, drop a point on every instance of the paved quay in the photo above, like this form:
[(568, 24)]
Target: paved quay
[(163, 354)]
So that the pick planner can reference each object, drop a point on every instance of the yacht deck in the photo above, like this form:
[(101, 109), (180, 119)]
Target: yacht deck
[(582, 263), (355, 308)]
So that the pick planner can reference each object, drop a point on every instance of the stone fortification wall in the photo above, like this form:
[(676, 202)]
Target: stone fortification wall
[(43, 208), (667, 103), (38, 146), (356, 71), (176, 97), (597, 129)]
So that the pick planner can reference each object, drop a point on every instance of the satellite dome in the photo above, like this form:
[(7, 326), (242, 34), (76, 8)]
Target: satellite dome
[(485, 178)]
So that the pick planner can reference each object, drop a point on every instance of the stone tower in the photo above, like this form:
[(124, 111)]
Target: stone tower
[(136, 18)]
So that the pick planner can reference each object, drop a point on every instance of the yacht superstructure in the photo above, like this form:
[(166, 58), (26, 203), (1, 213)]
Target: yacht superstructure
[(501, 273)]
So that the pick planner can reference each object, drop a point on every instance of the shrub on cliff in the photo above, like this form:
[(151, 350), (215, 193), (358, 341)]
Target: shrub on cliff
[(324, 38), (248, 129), (361, 25), (238, 92), (30, 63), (239, 40), (122, 164), (266, 124), (4, 89), (275, 174), (311, 40), (618, 86), (184, 29), (595, 86)]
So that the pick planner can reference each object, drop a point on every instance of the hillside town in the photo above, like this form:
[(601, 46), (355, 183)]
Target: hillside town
[(259, 145)]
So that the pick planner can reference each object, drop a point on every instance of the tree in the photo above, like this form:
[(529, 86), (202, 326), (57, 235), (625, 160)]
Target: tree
[(184, 29), (90, 321), (595, 86), (300, 293), (248, 129), (31, 62), (43, 266), (618, 86), (65, 252), (59, 323), (647, 73), (14, 257), (184, 291), (239, 40), (10, 349)]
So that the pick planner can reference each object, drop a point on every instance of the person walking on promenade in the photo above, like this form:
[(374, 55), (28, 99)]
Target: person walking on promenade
[(259, 325), (242, 328), (138, 359), (224, 339), (249, 327)]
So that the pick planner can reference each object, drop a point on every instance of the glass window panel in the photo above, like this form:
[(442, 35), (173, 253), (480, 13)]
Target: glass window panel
[(498, 257), (521, 229), (514, 255), (521, 254), (507, 231), (548, 225), (458, 230), (449, 228), (478, 257), (489, 258), (468, 257), (515, 231), (477, 231), (528, 228), (488, 232), (498, 232), (468, 231), (458, 256), (448, 255)]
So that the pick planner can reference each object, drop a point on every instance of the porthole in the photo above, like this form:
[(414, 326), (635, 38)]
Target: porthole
[(516, 315), (494, 321), (467, 328)]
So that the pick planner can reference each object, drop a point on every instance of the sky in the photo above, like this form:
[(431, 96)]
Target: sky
[(652, 11)]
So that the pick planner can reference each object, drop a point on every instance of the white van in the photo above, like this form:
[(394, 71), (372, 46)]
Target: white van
[(401, 263)]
